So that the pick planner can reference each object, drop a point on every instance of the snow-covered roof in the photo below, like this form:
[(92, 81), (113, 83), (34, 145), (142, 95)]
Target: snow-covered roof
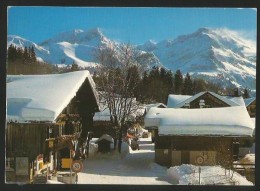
[(153, 116), (102, 115), (238, 100), (174, 99), (42, 97), (230, 121), (248, 101), (105, 137), (207, 121), (148, 106)]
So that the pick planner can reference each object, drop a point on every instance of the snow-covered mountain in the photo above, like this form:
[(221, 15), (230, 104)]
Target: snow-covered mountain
[(219, 55), (22, 43), (77, 46)]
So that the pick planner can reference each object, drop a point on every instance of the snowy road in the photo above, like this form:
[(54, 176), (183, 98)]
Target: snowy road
[(135, 167)]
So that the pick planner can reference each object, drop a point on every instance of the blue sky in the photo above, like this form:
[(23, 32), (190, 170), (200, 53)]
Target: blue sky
[(133, 25)]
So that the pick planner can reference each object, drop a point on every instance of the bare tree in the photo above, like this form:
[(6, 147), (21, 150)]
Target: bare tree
[(118, 75), (225, 156)]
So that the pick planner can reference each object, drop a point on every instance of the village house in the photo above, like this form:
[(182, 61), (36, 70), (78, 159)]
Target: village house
[(208, 136), (41, 110), (251, 106), (209, 99), (204, 99)]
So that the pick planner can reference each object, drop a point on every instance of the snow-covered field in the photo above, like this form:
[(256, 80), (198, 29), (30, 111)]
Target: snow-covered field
[(138, 168)]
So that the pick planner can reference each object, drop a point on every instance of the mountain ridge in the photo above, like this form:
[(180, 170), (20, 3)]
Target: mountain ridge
[(212, 54)]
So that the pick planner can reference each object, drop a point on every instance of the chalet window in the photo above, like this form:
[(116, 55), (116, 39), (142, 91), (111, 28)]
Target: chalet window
[(187, 105), (202, 103), (50, 132), (10, 163)]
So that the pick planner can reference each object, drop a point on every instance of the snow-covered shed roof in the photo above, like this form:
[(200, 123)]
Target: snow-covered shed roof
[(228, 121), (149, 106), (42, 97), (230, 102), (248, 101), (102, 115), (153, 116), (105, 137), (174, 100)]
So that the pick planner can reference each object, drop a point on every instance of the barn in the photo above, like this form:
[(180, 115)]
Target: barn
[(41, 108), (208, 136)]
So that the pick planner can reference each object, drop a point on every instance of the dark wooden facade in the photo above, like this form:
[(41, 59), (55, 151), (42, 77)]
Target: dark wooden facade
[(251, 108), (28, 139), (209, 100), (177, 150)]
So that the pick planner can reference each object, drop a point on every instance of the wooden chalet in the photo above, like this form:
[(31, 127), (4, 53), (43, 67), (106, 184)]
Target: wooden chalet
[(251, 106), (205, 99), (44, 114), (209, 136)]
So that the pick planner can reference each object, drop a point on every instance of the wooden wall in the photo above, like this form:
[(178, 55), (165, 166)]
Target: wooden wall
[(26, 140), (170, 148), (252, 109)]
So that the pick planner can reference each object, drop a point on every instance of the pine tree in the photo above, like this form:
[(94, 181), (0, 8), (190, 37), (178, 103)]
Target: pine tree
[(187, 86), (74, 67), (25, 56), (32, 55), (246, 93), (199, 85), (178, 82), (236, 92)]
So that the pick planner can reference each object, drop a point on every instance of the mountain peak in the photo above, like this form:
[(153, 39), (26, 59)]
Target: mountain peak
[(77, 36), (203, 30)]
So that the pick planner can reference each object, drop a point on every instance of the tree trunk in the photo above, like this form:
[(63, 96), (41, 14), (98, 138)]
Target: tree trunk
[(115, 143), (120, 140)]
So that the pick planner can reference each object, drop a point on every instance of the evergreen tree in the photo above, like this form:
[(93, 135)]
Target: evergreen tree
[(74, 67), (178, 82), (236, 92), (187, 86), (25, 56), (199, 85), (33, 55), (246, 93)]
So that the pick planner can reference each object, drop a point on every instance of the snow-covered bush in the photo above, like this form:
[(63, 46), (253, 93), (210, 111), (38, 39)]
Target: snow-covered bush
[(210, 175), (176, 172)]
